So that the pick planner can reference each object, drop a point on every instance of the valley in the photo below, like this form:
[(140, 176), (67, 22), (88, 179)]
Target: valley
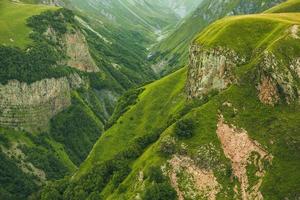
[(149, 100)]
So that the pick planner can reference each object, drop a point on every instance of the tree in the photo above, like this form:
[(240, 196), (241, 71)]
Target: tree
[(168, 145), (155, 174), (160, 191), (184, 128)]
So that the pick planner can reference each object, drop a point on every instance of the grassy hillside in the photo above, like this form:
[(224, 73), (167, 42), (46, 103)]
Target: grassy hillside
[(288, 6), (269, 28), (164, 96), (146, 17), (125, 163), (14, 31)]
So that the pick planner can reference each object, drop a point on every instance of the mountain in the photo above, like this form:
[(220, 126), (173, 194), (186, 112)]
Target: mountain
[(81, 116), (171, 53), (149, 17), (225, 127), (181, 8)]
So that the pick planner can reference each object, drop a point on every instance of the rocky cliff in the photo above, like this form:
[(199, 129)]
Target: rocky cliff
[(31, 106), (277, 79), (210, 69), (78, 53), (75, 47), (216, 66)]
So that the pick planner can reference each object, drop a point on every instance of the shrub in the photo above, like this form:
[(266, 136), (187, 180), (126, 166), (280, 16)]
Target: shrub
[(168, 146), (160, 191), (184, 128), (155, 174), (120, 175)]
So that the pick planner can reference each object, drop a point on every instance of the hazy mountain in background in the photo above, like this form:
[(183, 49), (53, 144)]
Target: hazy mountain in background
[(138, 14)]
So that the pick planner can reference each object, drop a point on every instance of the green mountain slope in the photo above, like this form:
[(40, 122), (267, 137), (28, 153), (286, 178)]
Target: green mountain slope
[(172, 52), (145, 16), (227, 130), (288, 6), (15, 32)]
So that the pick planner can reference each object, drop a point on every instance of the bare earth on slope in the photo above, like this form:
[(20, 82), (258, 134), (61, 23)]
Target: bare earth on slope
[(203, 180), (238, 147)]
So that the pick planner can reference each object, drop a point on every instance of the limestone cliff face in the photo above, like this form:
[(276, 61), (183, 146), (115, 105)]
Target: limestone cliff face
[(30, 107), (75, 47), (277, 80), (78, 53), (210, 69)]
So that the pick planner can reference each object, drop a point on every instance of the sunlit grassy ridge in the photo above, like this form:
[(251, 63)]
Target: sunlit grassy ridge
[(13, 16), (288, 6), (249, 32)]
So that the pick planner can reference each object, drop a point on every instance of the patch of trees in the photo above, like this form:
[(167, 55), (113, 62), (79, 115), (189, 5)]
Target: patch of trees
[(159, 188), (4, 141), (29, 66), (79, 136), (20, 186), (168, 146), (46, 160), (160, 191), (113, 171), (184, 128), (55, 19), (37, 61)]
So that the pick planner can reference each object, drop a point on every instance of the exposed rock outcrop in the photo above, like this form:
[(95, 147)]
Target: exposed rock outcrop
[(78, 53), (295, 66), (238, 147), (75, 47), (31, 107), (268, 92), (294, 30), (27, 167), (276, 79), (197, 182), (210, 69)]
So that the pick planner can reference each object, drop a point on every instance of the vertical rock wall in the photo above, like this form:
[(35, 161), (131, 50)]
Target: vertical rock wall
[(210, 69), (30, 107)]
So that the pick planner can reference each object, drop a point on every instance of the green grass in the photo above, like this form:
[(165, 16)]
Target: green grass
[(267, 29), (13, 16), (286, 7), (62, 155)]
